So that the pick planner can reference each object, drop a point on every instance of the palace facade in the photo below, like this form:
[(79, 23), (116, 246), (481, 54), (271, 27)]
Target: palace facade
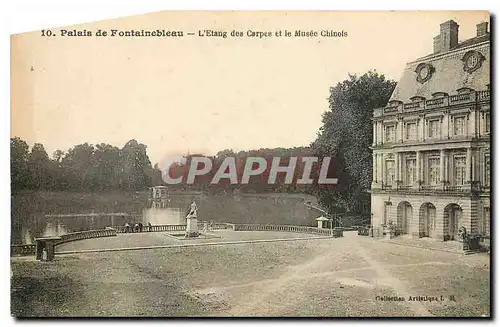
[(431, 143)]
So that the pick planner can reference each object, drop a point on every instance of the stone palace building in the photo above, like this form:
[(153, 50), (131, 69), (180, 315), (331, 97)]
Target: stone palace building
[(431, 143)]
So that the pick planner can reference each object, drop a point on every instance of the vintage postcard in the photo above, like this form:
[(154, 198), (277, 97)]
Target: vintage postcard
[(253, 164)]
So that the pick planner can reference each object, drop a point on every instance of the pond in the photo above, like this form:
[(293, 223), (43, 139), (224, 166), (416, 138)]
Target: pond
[(36, 214)]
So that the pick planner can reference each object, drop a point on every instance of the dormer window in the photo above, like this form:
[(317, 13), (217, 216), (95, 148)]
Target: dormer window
[(417, 98), (439, 95), (463, 90), (394, 103)]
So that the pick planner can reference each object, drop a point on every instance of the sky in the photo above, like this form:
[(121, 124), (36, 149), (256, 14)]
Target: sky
[(202, 94)]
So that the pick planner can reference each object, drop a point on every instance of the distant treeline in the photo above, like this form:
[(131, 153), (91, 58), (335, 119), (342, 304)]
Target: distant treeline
[(346, 136), (104, 167)]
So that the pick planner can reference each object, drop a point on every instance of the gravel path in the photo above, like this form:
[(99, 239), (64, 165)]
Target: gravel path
[(350, 276)]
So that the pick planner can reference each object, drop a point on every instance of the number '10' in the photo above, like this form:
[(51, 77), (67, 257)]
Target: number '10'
[(47, 33)]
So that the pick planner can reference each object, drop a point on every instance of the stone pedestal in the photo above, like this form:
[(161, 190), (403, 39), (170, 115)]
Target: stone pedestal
[(192, 227)]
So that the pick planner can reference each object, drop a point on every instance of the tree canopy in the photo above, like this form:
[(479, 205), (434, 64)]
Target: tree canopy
[(84, 167), (346, 136)]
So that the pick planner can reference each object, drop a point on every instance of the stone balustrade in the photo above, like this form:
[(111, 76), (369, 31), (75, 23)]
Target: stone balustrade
[(22, 249), (336, 232), (440, 102), (153, 228), (364, 231), (171, 228), (30, 249)]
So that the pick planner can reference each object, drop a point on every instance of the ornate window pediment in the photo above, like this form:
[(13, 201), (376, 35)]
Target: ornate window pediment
[(395, 103), (439, 94), (417, 98), (424, 72), (464, 90), (472, 60)]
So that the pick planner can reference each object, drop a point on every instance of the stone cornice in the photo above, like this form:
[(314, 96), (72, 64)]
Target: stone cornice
[(452, 53)]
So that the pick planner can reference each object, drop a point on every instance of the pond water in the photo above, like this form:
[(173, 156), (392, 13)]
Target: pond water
[(51, 214)]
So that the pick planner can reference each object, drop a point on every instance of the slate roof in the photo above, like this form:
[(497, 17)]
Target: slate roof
[(449, 74)]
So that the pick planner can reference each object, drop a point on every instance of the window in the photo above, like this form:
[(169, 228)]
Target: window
[(434, 172), (433, 128), (487, 123), (459, 126), (390, 133), (487, 170), (411, 171), (459, 169), (411, 131), (389, 172)]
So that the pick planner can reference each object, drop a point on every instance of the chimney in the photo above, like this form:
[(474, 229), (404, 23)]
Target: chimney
[(437, 44), (448, 36), (482, 29)]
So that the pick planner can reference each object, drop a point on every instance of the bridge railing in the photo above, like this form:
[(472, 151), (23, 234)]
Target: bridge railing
[(30, 249), (86, 235)]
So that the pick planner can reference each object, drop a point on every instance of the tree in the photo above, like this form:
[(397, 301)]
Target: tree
[(346, 136), (19, 164), (39, 166), (136, 166), (78, 167)]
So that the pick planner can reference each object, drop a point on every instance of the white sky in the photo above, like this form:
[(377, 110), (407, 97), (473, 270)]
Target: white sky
[(201, 94)]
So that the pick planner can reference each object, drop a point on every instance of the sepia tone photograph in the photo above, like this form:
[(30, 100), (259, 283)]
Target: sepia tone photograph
[(252, 164)]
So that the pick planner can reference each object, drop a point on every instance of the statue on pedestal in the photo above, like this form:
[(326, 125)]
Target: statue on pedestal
[(193, 212), (192, 221)]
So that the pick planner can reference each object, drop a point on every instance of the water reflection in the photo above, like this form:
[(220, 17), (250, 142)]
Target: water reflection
[(26, 235), (63, 224), (54, 229), (163, 216), (32, 218)]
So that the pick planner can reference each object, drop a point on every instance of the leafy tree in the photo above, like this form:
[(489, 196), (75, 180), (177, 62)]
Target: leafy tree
[(19, 154), (39, 166), (135, 166), (106, 169), (346, 136), (78, 167)]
